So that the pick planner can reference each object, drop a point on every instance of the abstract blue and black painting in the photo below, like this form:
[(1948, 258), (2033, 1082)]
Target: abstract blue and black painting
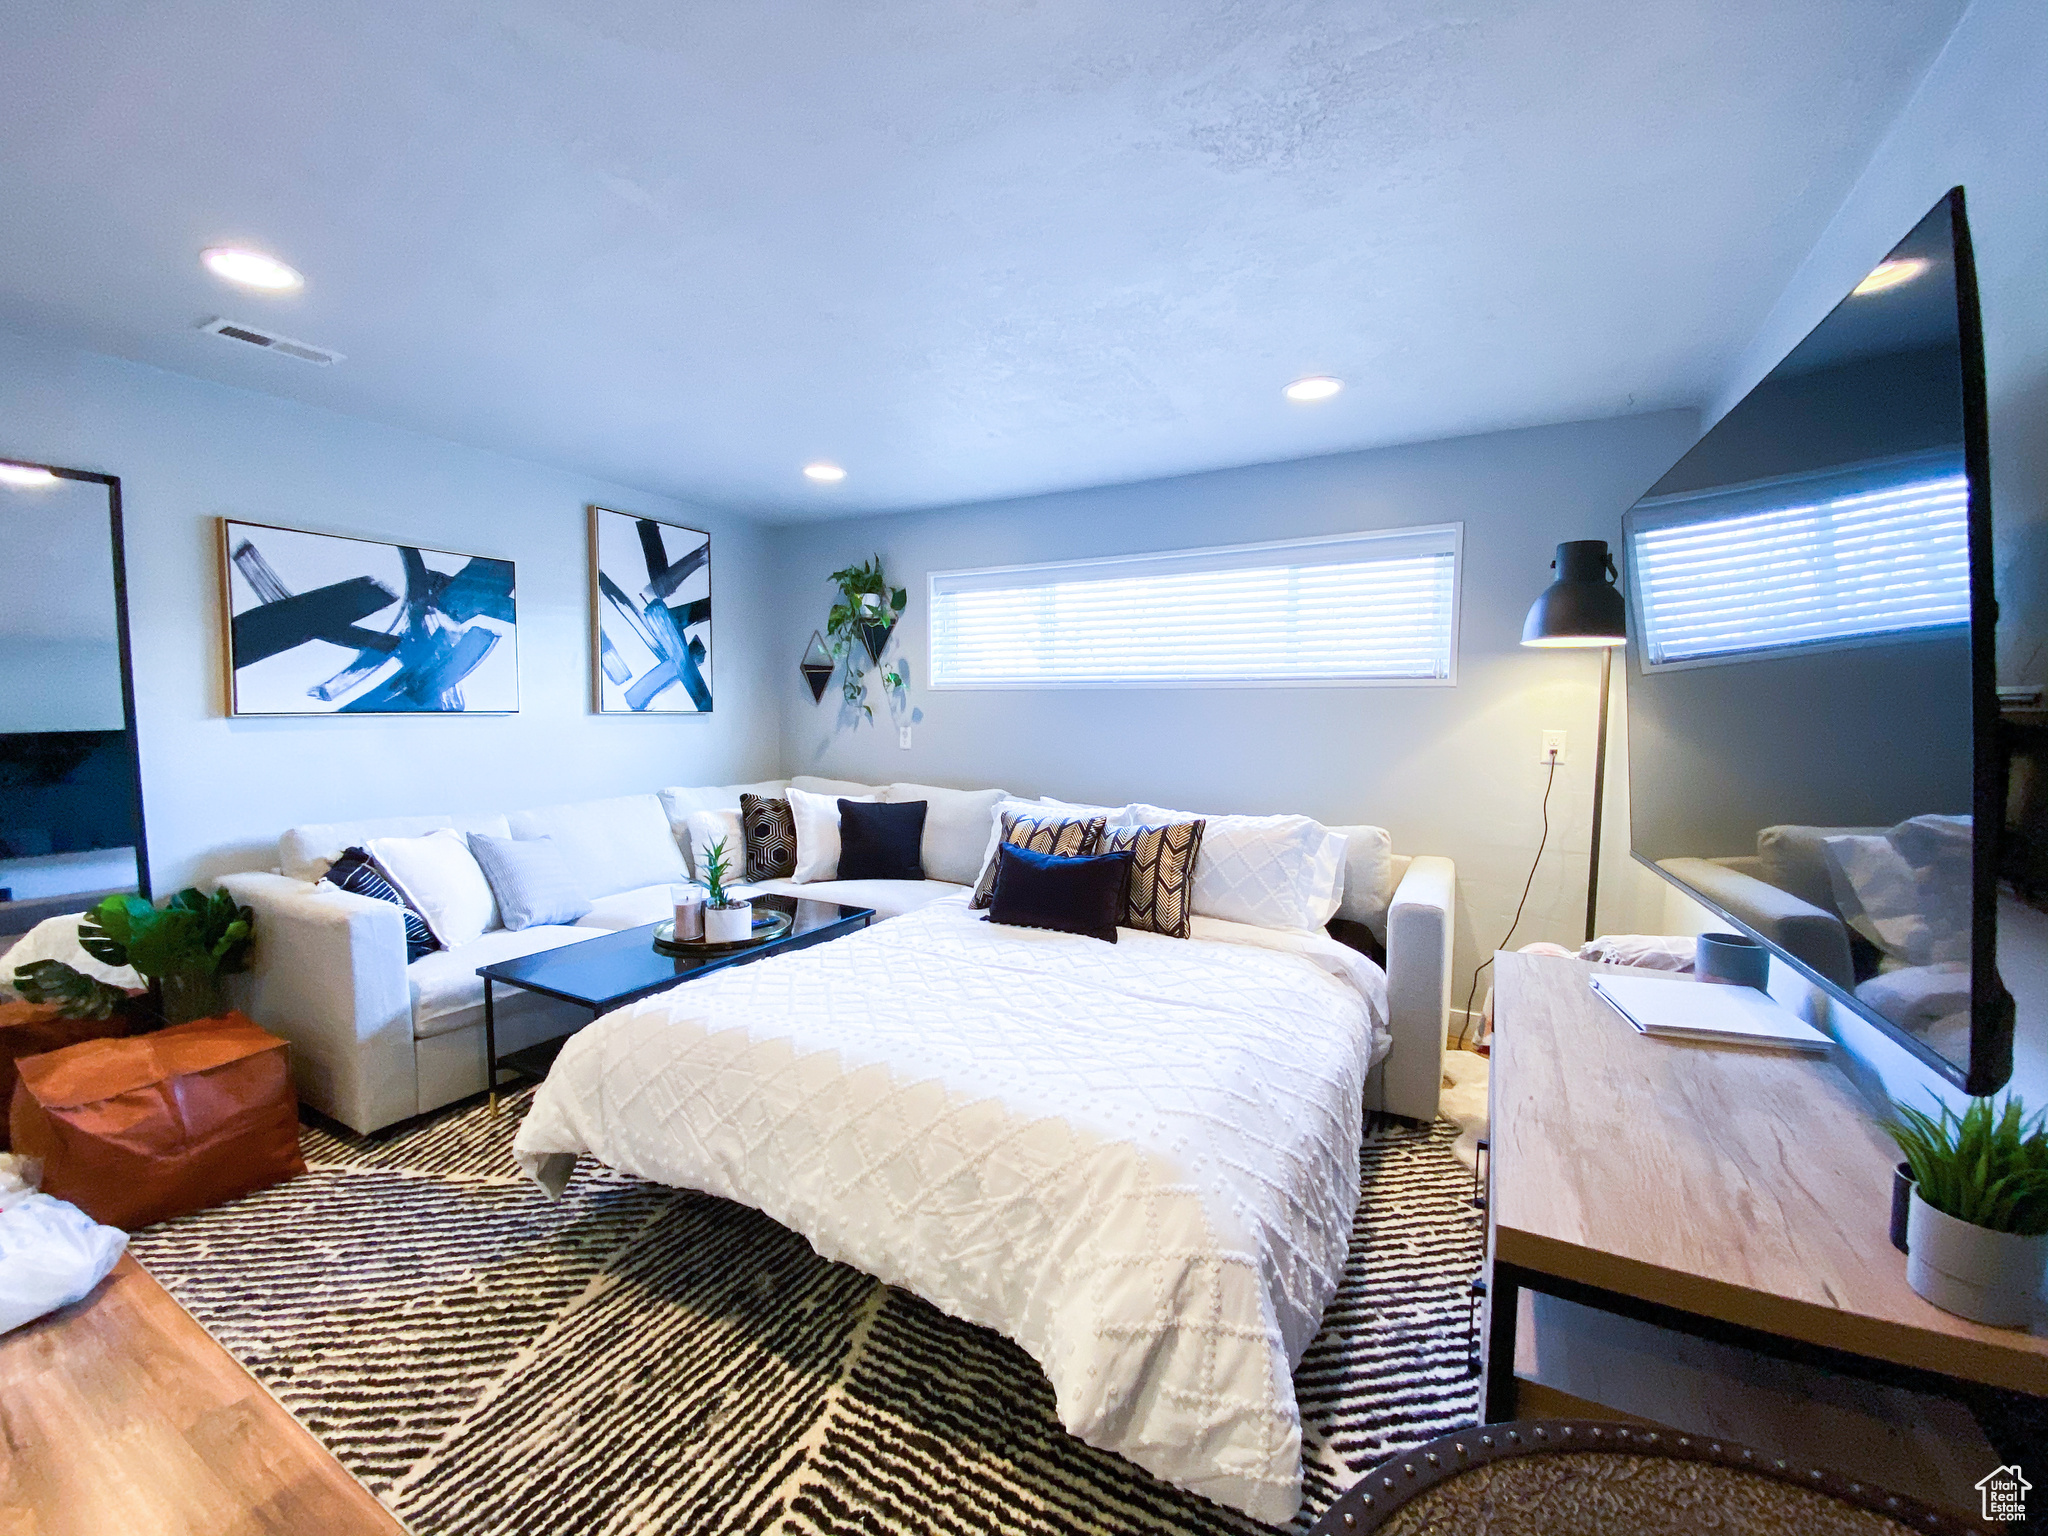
[(325, 625), (651, 601)]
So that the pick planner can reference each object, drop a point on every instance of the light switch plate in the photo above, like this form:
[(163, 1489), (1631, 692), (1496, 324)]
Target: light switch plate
[(1553, 746)]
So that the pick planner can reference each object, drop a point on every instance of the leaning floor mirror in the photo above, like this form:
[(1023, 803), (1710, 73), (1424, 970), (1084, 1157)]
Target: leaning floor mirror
[(70, 781)]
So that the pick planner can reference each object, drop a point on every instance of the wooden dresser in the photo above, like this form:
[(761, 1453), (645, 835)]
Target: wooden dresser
[(1731, 1193)]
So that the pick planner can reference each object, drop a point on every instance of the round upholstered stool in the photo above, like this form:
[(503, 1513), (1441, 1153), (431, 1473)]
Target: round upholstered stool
[(1572, 1477)]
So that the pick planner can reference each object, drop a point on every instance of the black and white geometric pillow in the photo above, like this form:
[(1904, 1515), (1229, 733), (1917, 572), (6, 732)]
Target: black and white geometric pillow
[(1051, 834), (357, 872), (1161, 895), (768, 829)]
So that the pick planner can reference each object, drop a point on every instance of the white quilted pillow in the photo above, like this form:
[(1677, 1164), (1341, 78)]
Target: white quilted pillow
[(1269, 871)]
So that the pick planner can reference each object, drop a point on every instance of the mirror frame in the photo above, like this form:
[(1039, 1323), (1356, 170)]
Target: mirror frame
[(119, 543)]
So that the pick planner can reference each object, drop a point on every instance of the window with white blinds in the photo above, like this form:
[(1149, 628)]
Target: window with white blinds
[(1820, 560), (1359, 608)]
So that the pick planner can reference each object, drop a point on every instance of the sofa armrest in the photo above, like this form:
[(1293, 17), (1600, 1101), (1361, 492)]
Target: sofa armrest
[(1418, 988), (1818, 937), (327, 973)]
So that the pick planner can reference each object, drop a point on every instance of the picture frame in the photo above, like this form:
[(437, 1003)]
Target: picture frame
[(650, 615), (334, 624)]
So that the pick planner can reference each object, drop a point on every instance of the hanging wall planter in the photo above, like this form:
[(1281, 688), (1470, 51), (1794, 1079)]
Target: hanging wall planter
[(817, 666), (866, 612)]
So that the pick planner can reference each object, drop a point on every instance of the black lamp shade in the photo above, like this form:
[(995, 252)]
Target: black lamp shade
[(1582, 607)]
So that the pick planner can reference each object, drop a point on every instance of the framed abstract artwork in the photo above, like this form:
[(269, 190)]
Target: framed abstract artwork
[(650, 606), (320, 624)]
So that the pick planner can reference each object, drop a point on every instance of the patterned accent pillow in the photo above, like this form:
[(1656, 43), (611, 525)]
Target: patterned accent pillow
[(1161, 897), (768, 830), (356, 872), (1051, 833)]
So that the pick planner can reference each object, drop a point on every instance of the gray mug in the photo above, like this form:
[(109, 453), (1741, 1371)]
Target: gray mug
[(1731, 959)]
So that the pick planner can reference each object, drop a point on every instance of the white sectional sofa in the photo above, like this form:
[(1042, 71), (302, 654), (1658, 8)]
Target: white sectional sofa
[(376, 1041)]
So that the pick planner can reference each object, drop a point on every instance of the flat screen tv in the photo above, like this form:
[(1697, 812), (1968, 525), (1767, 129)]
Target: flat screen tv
[(1814, 749)]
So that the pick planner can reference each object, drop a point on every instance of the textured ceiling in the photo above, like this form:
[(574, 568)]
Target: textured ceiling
[(967, 248)]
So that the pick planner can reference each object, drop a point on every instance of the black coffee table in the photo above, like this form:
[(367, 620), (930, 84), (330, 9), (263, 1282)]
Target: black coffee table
[(620, 968)]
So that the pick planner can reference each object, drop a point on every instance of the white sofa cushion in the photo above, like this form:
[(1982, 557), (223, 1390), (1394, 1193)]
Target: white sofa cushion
[(678, 800), (611, 845), (445, 983), (1368, 874), (817, 832), (532, 881), (888, 898), (629, 909), (441, 880), (304, 852), (811, 784), (1269, 871), (956, 823)]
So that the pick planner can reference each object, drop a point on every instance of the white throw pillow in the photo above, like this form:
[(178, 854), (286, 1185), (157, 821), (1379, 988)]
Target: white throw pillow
[(704, 828), (817, 832), (441, 879), (1368, 880), (1269, 871), (1908, 891), (838, 789), (1075, 808), (955, 827)]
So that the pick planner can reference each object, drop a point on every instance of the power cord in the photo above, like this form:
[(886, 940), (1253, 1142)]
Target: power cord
[(1526, 885)]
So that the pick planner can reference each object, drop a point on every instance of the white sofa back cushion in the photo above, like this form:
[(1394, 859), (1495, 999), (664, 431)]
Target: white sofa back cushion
[(1269, 871), (305, 852), (678, 800), (442, 881), (708, 827), (610, 845), (1368, 874), (956, 823)]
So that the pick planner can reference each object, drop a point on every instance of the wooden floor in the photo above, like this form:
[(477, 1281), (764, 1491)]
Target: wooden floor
[(121, 1415)]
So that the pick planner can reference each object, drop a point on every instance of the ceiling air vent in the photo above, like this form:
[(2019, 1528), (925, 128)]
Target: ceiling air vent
[(270, 341)]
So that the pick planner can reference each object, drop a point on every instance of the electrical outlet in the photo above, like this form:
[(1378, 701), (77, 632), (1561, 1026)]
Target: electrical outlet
[(1553, 746), (903, 737)]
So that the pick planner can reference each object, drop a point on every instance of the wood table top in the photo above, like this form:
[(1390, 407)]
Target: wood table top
[(1744, 1185)]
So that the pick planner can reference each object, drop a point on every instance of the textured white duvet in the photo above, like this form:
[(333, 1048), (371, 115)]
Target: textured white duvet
[(1139, 1160)]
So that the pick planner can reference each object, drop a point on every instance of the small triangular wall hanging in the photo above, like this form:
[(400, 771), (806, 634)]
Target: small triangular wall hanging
[(817, 666)]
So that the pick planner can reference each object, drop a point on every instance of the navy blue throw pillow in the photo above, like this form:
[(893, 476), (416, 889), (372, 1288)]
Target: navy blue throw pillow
[(356, 871), (1069, 895), (881, 842)]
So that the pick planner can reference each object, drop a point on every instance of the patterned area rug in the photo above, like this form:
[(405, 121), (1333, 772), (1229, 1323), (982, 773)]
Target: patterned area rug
[(636, 1359)]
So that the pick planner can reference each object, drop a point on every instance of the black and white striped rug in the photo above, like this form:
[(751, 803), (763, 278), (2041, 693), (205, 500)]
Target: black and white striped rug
[(635, 1359)]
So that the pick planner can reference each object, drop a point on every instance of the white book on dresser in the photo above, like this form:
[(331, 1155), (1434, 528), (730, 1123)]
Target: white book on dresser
[(1708, 1011)]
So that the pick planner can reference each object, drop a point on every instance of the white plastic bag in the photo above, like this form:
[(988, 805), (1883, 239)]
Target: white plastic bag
[(51, 1252)]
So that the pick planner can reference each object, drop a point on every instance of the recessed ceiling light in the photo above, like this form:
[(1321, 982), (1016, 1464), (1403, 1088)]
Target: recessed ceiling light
[(823, 473), (25, 475), (1889, 274), (251, 269), (1317, 387)]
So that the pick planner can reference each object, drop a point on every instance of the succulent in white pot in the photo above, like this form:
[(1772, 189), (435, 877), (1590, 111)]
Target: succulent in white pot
[(1977, 1221), (728, 919)]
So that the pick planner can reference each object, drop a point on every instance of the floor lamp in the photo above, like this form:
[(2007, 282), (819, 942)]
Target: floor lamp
[(1583, 608)]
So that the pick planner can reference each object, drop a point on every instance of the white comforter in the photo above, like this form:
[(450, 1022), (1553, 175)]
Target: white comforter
[(1139, 1160)]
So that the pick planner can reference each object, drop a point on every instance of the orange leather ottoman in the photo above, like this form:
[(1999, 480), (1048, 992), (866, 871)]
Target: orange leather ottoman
[(138, 1130), (30, 1029)]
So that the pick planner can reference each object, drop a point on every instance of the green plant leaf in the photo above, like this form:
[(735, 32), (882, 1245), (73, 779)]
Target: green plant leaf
[(1987, 1166), (72, 993)]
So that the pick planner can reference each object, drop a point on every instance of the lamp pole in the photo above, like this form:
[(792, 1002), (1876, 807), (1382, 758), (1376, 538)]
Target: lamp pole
[(1599, 792)]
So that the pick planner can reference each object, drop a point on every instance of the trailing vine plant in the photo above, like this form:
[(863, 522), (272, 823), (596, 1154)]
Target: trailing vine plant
[(863, 619)]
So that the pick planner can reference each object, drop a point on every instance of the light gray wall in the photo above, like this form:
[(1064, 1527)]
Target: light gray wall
[(1448, 770), (217, 791), (1978, 119)]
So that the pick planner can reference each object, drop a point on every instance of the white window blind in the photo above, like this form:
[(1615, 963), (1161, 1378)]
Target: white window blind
[(1367, 607), (1817, 560)]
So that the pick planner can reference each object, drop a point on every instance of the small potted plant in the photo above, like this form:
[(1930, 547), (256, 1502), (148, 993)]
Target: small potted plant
[(183, 948), (1977, 1218), (727, 918)]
